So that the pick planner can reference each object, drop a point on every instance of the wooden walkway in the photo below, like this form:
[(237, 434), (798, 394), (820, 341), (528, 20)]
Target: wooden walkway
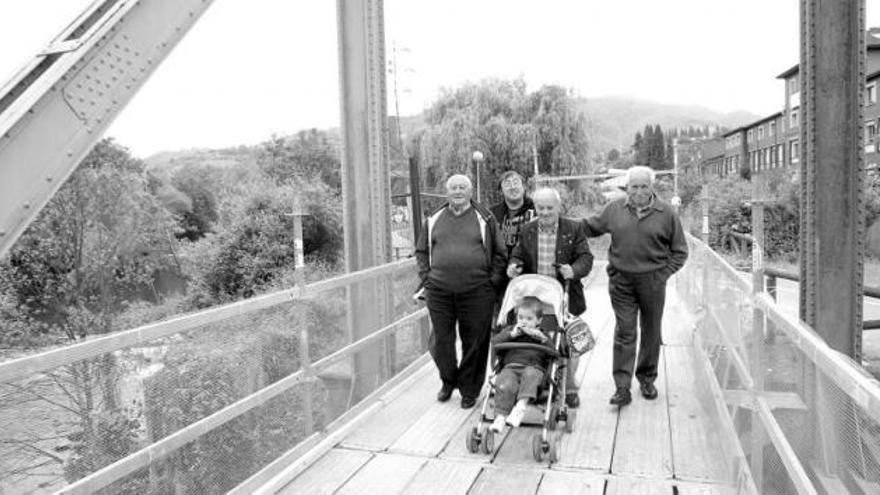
[(416, 445)]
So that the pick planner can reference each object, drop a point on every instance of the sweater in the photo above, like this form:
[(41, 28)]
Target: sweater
[(655, 242), (527, 357)]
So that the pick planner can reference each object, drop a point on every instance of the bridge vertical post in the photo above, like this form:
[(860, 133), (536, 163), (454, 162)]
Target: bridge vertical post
[(832, 70), (366, 189), (756, 368), (306, 364), (832, 223)]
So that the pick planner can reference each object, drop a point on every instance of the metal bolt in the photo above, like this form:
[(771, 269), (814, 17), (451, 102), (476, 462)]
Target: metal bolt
[(49, 177), (27, 206)]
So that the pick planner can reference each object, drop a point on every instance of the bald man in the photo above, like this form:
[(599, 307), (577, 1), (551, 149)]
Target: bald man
[(556, 247), (461, 260), (647, 246)]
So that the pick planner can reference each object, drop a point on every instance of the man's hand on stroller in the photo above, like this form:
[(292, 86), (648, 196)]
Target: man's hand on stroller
[(566, 271), (513, 270)]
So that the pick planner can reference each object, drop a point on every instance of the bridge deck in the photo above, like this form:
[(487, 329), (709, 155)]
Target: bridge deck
[(417, 445)]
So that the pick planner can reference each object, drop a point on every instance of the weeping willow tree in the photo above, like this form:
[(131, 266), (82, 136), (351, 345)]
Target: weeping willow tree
[(509, 125)]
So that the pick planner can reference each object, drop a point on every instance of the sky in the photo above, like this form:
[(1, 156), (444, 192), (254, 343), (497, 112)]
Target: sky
[(253, 68)]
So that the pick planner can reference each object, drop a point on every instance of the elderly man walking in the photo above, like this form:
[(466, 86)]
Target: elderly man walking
[(556, 247), (461, 263), (647, 246)]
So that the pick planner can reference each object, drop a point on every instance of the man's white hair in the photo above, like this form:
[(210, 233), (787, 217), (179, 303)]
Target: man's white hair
[(640, 171), (460, 176), (548, 190)]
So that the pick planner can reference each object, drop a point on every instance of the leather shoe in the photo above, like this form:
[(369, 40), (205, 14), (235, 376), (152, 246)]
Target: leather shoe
[(572, 400), (468, 402), (621, 397), (445, 392), (649, 391)]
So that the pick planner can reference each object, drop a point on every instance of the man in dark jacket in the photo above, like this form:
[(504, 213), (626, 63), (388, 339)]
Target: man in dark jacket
[(515, 210), (461, 264), (647, 246), (556, 247)]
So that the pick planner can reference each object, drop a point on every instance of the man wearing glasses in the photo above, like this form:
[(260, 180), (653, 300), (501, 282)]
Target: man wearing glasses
[(515, 210)]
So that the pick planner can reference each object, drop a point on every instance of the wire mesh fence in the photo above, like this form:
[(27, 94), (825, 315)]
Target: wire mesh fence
[(807, 418), (201, 403)]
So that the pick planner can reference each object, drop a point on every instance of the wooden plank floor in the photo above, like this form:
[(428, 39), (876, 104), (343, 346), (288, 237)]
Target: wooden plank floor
[(414, 444)]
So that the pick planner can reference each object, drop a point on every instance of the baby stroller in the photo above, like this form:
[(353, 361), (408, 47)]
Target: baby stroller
[(550, 408)]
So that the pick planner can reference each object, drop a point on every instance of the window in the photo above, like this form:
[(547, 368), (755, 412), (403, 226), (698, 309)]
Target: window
[(750, 135), (794, 152), (761, 132), (871, 93), (779, 156), (793, 86), (767, 156), (870, 131), (771, 129), (793, 117)]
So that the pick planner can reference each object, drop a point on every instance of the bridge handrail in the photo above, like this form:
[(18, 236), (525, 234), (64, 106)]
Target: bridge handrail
[(142, 458), (846, 373), (863, 389), (21, 368)]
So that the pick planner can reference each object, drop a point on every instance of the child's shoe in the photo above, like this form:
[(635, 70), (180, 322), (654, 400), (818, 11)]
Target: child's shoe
[(516, 415), (498, 424)]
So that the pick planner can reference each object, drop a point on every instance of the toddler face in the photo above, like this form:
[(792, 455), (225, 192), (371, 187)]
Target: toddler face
[(526, 318)]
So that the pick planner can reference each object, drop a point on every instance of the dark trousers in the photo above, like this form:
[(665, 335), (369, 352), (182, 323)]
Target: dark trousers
[(637, 298), (515, 382), (472, 311)]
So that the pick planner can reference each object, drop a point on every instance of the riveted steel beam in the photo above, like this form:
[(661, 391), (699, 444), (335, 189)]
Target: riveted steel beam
[(55, 109), (832, 72), (366, 186)]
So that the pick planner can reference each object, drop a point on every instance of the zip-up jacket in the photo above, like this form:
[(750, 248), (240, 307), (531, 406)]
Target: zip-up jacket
[(493, 246)]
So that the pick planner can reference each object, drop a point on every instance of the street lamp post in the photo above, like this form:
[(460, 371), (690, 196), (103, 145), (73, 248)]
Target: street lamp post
[(478, 160)]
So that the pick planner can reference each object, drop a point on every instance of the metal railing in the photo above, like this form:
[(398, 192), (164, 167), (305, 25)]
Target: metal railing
[(220, 395), (772, 275), (807, 417)]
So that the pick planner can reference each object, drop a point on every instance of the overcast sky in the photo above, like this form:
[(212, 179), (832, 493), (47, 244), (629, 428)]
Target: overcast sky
[(251, 68)]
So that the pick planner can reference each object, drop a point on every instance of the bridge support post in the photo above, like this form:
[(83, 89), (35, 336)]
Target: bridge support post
[(756, 368), (832, 224), (832, 71), (366, 187)]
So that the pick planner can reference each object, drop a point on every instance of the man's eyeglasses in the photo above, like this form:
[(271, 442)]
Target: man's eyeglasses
[(511, 183)]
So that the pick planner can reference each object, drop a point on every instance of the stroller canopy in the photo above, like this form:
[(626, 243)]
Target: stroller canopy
[(545, 288)]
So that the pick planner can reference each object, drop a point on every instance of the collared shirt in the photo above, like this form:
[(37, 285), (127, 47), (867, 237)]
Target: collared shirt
[(547, 249), (640, 211)]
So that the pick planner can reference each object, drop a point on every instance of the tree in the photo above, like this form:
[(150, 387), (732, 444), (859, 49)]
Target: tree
[(199, 213), (508, 125), (97, 241), (614, 155), (305, 156)]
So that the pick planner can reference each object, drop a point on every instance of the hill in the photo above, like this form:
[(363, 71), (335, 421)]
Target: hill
[(612, 123), (613, 120)]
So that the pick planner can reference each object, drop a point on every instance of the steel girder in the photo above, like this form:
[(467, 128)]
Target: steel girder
[(58, 106)]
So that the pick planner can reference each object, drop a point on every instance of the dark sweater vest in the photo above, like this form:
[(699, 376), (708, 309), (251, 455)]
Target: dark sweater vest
[(458, 260)]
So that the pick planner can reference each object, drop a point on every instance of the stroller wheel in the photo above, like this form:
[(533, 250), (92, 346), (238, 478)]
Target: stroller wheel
[(551, 448), (487, 445), (473, 440), (538, 447), (570, 419)]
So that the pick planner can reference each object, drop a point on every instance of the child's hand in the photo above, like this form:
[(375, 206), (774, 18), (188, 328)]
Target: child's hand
[(516, 331), (535, 333)]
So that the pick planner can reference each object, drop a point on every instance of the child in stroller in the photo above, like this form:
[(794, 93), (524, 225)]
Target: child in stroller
[(522, 370), (549, 350)]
